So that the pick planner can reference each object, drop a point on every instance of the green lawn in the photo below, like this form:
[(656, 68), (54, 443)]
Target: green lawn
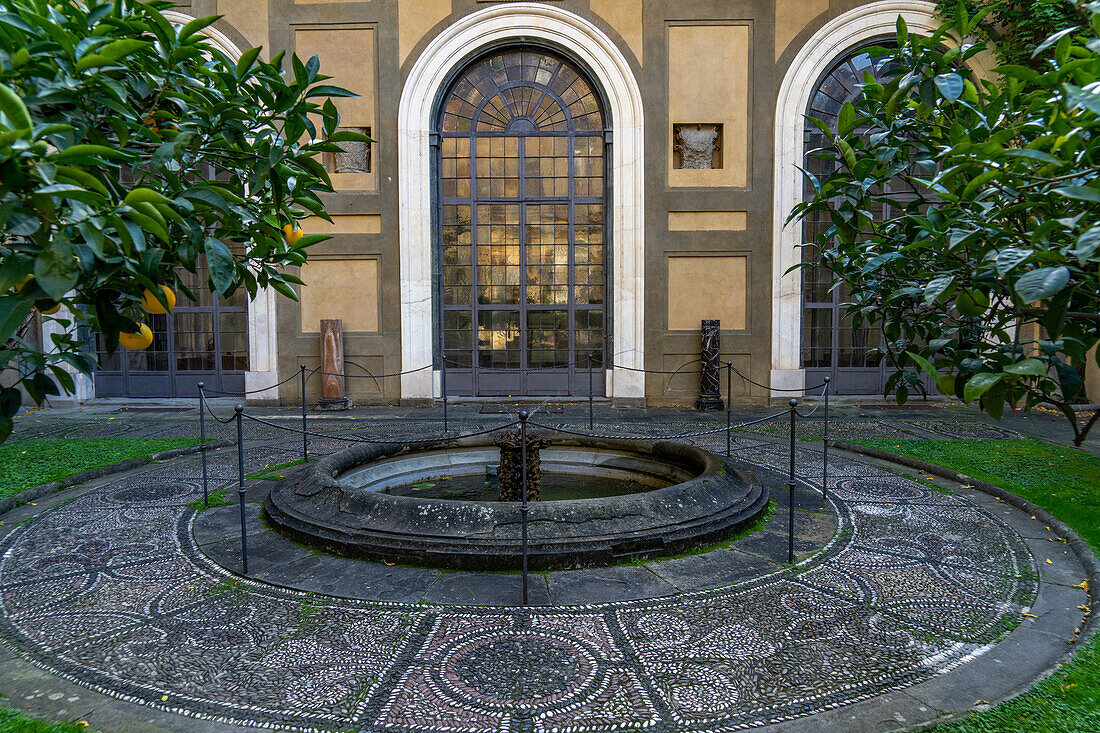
[(1066, 482), (28, 462), (12, 721)]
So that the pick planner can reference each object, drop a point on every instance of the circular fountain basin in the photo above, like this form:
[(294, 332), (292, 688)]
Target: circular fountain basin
[(621, 500)]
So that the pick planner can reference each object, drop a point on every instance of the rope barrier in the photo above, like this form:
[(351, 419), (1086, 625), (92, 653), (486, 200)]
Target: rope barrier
[(348, 439), (774, 389), (368, 375), (202, 399), (820, 401), (659, 437), (249, 391)]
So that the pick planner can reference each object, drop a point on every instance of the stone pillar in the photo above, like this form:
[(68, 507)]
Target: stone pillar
[(510, 471), (710, 391), (332, 366)]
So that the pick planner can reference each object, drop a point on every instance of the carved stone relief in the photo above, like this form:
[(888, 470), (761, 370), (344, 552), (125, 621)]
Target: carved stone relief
[(696, 145), (355, 157)]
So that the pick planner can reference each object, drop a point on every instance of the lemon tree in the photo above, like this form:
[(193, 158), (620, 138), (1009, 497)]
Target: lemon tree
[(132, 148), (986, 277)]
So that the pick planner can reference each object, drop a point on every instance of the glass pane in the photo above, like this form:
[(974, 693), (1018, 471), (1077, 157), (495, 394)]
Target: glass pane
[(547, 339), (194, 341), (233, 335), (498, 340), (154, 358)]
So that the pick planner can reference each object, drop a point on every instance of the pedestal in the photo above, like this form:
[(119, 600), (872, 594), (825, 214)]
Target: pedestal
[(510, 471), (332, 366), (710, 395)]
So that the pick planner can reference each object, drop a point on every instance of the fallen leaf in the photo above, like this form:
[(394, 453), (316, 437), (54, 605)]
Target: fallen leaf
[(1049, 561), (1029, 615)]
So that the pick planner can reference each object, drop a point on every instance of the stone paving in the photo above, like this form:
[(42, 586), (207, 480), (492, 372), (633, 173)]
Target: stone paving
[(111, 590)]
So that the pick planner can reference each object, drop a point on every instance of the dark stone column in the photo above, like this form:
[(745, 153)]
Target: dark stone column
[(332, 366), (710, 395), (510, 471)]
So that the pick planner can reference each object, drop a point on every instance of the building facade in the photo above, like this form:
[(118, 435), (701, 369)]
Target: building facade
[(553, 186)]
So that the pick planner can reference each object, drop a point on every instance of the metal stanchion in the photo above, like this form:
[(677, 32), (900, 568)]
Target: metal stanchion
[(305, 438), (825, 446), (240, 492), (523, 488), (202, 446), (729, 405), (790, 487), (443, 381), (590, 392)]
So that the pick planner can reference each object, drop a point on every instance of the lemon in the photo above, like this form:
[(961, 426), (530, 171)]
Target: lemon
[(23, 283), (45, 309), (291, 234), (151, 305), (946, 383), (972, 302), (137, 341)]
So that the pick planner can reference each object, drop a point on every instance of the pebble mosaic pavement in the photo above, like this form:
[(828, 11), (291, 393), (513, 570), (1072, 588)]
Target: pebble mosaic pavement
[(110, 591)]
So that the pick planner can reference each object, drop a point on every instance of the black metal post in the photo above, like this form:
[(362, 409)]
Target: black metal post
[(790, 487), (825, 446), (240, 491), (523, 487), (202, 446), (305, 438), (729, 404), (443, 380), (590, 393)]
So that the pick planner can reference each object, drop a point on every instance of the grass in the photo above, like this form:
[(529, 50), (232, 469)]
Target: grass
[(215, 499), (28, 462), (1066, 482), (13, 721), (274, 473)]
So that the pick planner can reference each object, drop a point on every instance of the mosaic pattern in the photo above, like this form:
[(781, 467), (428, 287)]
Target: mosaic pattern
[(109, 590)]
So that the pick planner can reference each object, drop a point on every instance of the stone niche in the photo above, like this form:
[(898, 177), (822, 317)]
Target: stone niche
[(697, 146)]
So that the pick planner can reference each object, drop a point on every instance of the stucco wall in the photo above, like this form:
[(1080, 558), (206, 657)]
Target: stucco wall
[(724, 67)]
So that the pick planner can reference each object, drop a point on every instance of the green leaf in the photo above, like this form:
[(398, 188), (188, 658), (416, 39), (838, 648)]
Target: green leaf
[(979, 384), (846, 120), (145, 195), (950, 85), (55, 269), (93, 61), (222, 265), (924, 364), (13, 310), (122, 48), (248, 58), (11, 104), (196, 25), (1033, 155), (1087, 245), (1081, 193), (86, 151), (1042, 283), (1027, 367), (903, 32), (1010, 257)]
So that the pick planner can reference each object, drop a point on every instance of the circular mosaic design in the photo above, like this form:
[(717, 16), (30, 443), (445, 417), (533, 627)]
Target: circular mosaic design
[(110, 591), (149, 493)]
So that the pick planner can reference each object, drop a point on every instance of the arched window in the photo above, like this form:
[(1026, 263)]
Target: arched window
[(521, 245), (831, 345)]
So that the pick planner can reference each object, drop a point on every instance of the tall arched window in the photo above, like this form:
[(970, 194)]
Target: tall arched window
[(522, 256), (831, 346)]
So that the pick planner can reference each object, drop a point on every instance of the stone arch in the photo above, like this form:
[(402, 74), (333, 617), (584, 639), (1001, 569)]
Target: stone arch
[(450, 50), (834, 39)]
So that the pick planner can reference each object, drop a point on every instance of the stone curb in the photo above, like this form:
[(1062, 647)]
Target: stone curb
[(1080, 547), (26, 496)]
